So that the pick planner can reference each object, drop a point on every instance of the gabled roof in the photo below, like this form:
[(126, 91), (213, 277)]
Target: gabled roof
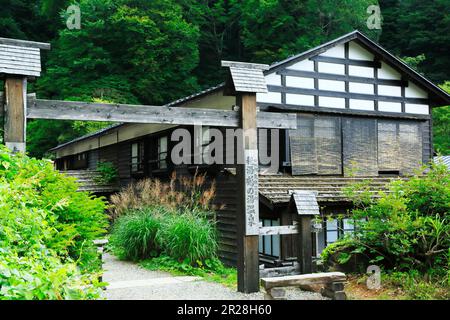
[(441, 98)]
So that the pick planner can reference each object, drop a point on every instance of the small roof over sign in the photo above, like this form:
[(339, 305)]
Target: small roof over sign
[(19, 57), (246, 77), (304, 202)]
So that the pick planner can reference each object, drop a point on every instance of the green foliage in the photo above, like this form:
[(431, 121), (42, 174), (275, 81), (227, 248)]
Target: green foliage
[(126, 51), (414, 27), (405, 229), (46, 232), (296, 26), (267, 31), (441, 126), (414, 62), (107, 173), (418, 288)]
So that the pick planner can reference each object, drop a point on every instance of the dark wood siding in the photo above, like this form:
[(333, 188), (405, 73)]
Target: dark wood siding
[(92, 159), (226, 198), (124, 163)]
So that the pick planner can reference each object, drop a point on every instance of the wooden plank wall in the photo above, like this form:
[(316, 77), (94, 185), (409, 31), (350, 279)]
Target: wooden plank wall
[(226, 217), (92, 159), (120, 156), (427, 142)]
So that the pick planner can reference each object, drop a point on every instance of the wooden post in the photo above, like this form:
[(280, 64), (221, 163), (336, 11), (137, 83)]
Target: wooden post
[(304, 244), (248, 211), (15, 112)]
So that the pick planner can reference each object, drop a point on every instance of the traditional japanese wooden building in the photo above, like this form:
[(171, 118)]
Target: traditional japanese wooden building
[(361, 112)]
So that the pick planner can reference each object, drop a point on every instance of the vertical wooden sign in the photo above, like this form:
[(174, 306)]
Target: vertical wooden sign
[(251, 192), (248, 207)]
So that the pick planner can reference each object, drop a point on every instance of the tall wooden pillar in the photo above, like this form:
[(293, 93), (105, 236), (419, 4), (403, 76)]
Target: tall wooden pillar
[(304, 244), (248, 204), (20, 61), (15, 103), (244, 81)]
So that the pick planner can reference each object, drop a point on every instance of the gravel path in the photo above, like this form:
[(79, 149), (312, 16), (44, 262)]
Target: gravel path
[(128, 281)]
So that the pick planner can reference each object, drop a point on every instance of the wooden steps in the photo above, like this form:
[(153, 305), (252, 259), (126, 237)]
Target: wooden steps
[(87, 180)]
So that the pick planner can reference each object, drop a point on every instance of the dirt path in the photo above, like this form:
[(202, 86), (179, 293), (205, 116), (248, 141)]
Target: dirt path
[(128, 281)]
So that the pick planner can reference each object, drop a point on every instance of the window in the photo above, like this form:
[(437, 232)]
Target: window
[(334, 229), (137, 157), (162, 152), (202, 140), (270, 245)]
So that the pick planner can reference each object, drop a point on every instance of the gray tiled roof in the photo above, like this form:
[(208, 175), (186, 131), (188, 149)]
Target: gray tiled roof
[(21, 57), (247, 77), (248, 80), (305, 202), (277, 189)]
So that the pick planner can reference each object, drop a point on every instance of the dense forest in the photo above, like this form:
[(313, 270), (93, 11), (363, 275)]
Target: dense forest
[(152, 52)]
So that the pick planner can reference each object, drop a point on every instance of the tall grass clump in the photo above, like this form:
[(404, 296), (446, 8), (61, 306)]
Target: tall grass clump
[(189, 238), (134, 235), (174, 219)]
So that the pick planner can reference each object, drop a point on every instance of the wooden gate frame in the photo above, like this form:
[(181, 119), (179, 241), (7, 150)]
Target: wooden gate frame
[(21, 61)]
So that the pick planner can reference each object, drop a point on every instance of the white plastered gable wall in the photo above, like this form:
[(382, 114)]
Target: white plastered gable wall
[(356, 52)]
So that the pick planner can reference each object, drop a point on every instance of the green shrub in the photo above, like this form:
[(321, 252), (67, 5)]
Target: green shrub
[(46, 232), (188, 237), (133, 235), (406, 228), (107, 173), (416, 287)]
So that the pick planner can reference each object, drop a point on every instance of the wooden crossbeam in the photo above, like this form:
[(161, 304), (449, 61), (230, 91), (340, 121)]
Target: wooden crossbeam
[(278, 230), (84, 111)]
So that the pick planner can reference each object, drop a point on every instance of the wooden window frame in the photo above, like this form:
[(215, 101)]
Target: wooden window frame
[(137, 168)]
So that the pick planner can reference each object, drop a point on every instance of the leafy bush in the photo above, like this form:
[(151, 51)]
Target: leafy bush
[(416, 287), (405, 229), (46, 232), (133, 235), (107, 173)]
